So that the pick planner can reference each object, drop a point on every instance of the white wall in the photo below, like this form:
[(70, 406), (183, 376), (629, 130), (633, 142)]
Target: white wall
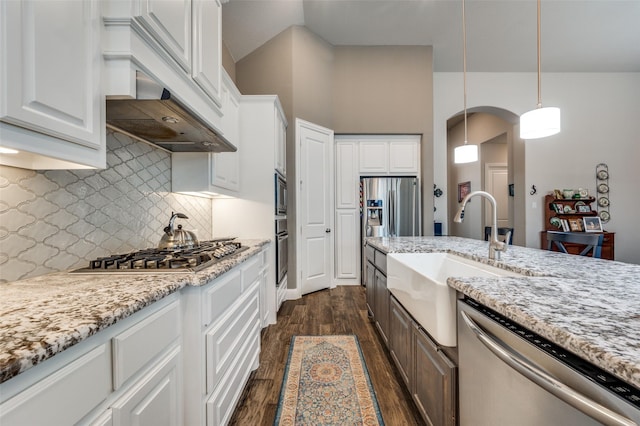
[(600, 124)]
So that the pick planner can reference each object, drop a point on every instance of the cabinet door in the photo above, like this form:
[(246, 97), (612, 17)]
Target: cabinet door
[(50, 78), (207, 53), (370, 283), (373, 157), (346, 240), (382, 306), (347, 184), (281, 144), (156, 398), (404, 157), (169, 22), (400, 340), (226, 165), (435, 381)]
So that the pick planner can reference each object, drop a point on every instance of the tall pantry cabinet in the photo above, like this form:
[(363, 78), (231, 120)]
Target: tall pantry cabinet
[(251, 214)]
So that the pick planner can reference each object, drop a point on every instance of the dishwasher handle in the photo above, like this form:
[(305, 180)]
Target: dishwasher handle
[(529, 370)]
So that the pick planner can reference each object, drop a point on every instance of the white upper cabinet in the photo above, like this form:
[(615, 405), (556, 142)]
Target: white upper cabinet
[(346, 175), (211, 174), (404, 156), (51, 103), (207, 52), (175, 42), (281, 143), (169, 22), (374, 157), (393, 155)]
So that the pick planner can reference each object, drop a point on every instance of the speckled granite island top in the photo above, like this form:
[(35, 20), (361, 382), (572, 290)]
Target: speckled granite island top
[(42, 316), (590, 307)]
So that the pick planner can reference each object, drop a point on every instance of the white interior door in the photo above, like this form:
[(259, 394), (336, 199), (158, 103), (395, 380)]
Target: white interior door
[(314, 205), (497, 184)]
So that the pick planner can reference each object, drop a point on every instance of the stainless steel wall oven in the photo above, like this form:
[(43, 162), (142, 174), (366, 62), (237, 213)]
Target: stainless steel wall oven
[(281, 195)]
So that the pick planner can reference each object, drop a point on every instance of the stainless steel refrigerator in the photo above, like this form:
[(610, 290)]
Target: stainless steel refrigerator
[(389, 207)]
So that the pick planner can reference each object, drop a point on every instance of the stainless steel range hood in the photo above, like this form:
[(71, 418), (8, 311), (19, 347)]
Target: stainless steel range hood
[(156, 117)]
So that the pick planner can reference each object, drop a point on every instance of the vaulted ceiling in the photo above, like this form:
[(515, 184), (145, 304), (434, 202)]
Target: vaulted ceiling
[(577, 35)]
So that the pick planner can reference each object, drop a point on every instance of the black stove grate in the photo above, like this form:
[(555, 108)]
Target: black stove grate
[(165, 260)]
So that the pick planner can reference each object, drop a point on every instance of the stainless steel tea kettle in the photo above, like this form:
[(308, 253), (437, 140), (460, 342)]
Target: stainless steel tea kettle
[(177, 238)]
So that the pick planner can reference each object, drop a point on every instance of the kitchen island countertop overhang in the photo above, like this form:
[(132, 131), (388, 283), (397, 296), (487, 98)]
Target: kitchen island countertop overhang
[(590, 307)]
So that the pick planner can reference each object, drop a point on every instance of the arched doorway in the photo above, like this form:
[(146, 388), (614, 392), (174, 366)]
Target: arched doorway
[(500, 166)]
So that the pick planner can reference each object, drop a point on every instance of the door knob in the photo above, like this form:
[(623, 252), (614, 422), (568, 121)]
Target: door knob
[(327, 230)]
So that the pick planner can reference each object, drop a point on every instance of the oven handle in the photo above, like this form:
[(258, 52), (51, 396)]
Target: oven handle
[(529, 370)]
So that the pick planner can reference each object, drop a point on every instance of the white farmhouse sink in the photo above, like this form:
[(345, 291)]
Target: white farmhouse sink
[(419, 282)]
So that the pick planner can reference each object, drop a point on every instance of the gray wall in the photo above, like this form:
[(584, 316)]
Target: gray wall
[(350, 89), (60, 219)]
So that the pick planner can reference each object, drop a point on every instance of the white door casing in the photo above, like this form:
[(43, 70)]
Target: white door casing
[(497, 184), (314, 206)]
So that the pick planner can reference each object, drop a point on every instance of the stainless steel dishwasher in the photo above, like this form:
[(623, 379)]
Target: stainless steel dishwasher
[(509, 375)]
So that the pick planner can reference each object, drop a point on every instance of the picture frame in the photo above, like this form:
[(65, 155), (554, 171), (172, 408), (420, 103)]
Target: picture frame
[(576, 225), (592, 224), (584, 209), (464, 188), (565, 225), (558, 207)]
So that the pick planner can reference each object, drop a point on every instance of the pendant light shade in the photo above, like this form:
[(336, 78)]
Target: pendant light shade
[(540, 122), (465, 153)]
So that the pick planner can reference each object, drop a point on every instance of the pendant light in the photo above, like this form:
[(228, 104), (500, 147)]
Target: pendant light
[(465, 153), (540, 122)]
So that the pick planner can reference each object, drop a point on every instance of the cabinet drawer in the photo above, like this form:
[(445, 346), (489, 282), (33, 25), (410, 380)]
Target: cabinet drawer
[(221, 294), (136, 347), (226, 338), (222, 403), (250, 271), (369, 253), (78, 387), (380, 260)]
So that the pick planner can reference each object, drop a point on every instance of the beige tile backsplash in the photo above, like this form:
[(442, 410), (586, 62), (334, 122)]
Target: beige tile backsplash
[(56, 220)]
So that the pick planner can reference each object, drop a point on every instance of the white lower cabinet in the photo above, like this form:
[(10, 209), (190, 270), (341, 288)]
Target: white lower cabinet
[(155, 398), (221, 337), (86, 381), (127, 374), (347, 240), (184, 360)]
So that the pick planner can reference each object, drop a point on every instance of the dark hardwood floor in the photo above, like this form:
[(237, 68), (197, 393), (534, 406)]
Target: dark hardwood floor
[(341, 310)]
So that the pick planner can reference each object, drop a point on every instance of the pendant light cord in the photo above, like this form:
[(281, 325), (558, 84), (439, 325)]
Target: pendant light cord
[(464, 68), (539, 69)]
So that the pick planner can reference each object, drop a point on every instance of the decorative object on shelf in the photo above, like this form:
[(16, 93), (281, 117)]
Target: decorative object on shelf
[(540, 122), (584, 193), (465, 153), (463, 189), (603, 188), (568, 193), (592, 224)]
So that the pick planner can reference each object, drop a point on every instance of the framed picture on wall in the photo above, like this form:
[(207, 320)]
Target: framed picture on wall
[(464, 188)]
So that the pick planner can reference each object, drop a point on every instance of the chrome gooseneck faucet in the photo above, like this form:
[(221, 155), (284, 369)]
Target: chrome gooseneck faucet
[(495, 246)]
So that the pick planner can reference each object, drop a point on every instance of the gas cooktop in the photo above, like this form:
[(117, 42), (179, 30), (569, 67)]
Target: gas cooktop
[(165, 260)]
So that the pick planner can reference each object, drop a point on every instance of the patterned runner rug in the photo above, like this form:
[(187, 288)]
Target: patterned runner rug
[(326, 382)]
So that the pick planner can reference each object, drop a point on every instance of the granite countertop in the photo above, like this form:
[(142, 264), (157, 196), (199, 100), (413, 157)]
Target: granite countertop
[(42, 316), (590, 307)]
